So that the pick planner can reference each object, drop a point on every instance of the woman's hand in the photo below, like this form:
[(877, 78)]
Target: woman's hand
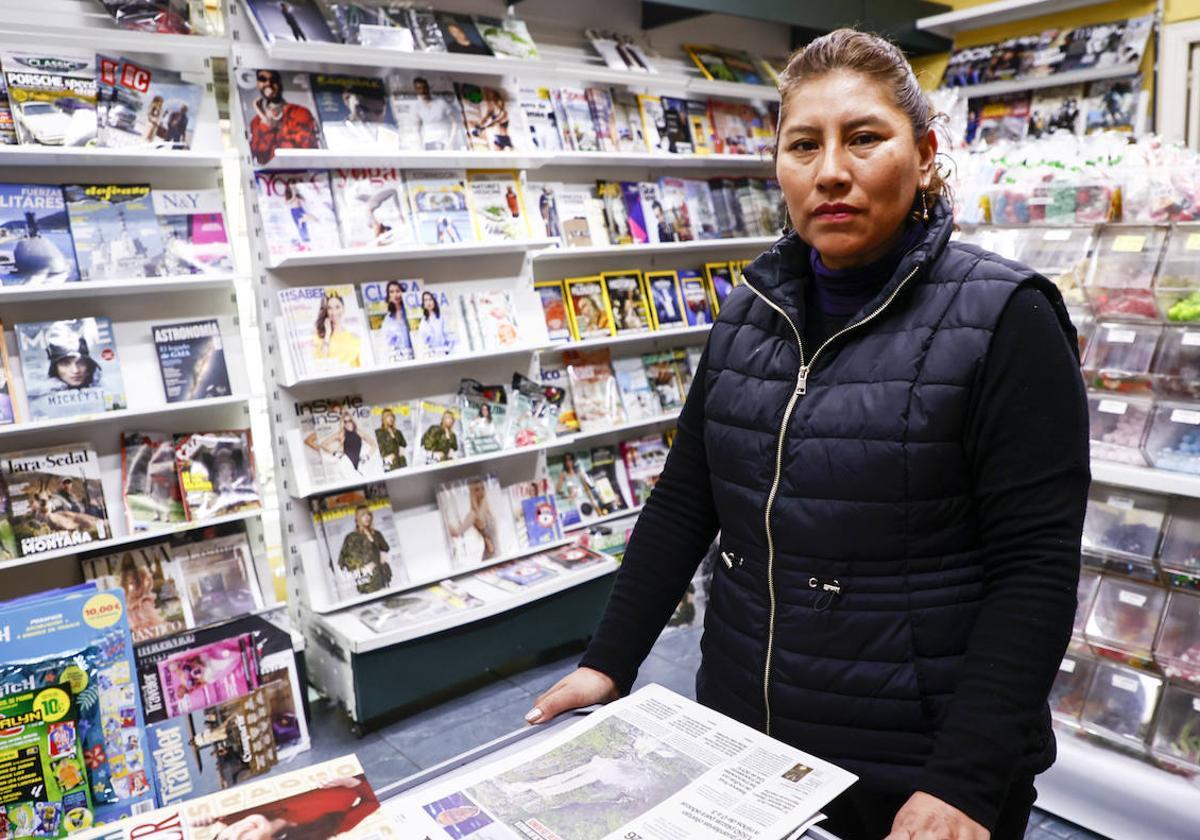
[(926, 817), (582, 687)]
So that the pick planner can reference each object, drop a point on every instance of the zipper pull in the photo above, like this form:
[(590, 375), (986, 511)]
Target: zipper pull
[(729, 558), (827, 591), (802, 381)]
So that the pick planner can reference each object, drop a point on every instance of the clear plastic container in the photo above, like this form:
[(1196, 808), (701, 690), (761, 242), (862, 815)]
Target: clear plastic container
[(1177, 286), (1176, 366), (1061, 255), (1120, 704), (1180, 552), (1070, 687), (1177, 650), (1085, 594), (1117, 427), (1120, 283), (1173, 440), (1119, 357), (1124, 618), (1177, 731), (1085, 326), (1004, 241), (1123, 523)]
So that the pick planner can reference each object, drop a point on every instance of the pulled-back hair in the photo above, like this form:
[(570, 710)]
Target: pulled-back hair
[(874, 57)]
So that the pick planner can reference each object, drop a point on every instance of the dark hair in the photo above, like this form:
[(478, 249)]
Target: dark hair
[(387, 293), (437, 309), (323, 312)]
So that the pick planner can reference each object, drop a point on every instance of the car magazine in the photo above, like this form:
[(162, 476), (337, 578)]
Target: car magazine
[(496, 205), (70, 367), (427, 112), (55, 498), (193, 228), (478, 521), (372, 208), (278, 110), (216, 474), (8, 130), (627, 301), (354, 112), (141, 106), (36, 248), (150, 482), (217, 580), (387, 321), (115, 230), (439, 205), (297, 212), (52, 97)]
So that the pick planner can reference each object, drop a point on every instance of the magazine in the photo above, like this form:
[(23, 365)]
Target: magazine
[(326, 329), (388, 320), (588, 307), (484, 410), (1001, 117), (517, 575), (1114, 105), (594, 389), (619, 51), (141, 106), (338, 441), (644, 459), (720, 283), (664, 379), (543, 198), (411, 608), (216, 578), (354, 112), (372, 208), (666, 301), (70, 367), (711, 62), (150, 482), (678, 129), (435, 323), (604, 481), (115, 230), (439, 205), (394, 425), (279, 112), (554, 309), (629, 122), (1055, 109), (216, 474), (616, 220), (196, 678), (193, 229), (533, 415), (382, 26), (360, 554), (487, 119), (627, 301), (507, 37), (297, 211), (677, 210), (572, 492), (191, 359), (726, 207), (55, 498), (631, 197), (702, 215), (572, 557), (604, 119), (541, 119), (8, 129), (497, 207), (579, 122), (478, 521), (290, 20), (427, 112), (460, 34), (8, 409), (52, 97), (440, 425), (640, 400), (36, 248), (427, 34), (573, 204), (659, 227), (731, 127), (701, 127), (147, 577), (555, 376), (696, 304), (654, 122), (495, 312)]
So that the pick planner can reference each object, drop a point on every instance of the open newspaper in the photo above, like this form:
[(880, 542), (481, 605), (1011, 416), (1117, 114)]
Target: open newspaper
[(652, 766)]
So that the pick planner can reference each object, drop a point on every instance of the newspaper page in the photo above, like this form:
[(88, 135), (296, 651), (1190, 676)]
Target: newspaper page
[(652, 766)]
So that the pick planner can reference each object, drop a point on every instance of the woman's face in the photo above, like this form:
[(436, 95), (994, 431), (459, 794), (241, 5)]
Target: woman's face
[(347, 420), (587, 308), (394, 293), (74, 371), (477, 492), (389, 420), (427, 302), (447, 421), (849, 167), (485, 412), (336, 308)]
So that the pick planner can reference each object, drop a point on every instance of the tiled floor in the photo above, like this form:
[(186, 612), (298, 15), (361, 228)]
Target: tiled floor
[(432, 736)]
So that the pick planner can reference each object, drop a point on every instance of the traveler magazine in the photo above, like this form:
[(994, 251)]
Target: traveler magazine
[(651, 765)]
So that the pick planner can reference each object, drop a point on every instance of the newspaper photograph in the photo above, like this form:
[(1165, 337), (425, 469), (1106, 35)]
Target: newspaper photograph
[(652, 766)]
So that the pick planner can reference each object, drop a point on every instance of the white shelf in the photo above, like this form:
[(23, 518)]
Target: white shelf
[(109, 288), (629, 338), (416, 364), (1071, 77), (569, 441), (990, 14), (342, 256), (328, 159), (1146, 478), (612, 517), (658, 160), (129, 539), (659, 248), (147, 413), (98, 156), (1117, 795), (32, 25)]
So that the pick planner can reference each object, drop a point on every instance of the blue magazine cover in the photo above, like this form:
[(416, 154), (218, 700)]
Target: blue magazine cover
[(70, 367), (78, 643), (541, 520), (115, 230), (631, 194), (35, 237)]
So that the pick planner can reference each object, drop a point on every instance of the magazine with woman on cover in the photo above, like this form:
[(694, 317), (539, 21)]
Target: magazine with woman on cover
[(478, 520), (361, 555), (438, 329), (147, 577), (394, 425), (372, 208), (491, 127), (484, 410), (153, 499), (297, 212), (71, 368), (388, 320), (338, 441), (589, 307), (325, 328), (440, 426)]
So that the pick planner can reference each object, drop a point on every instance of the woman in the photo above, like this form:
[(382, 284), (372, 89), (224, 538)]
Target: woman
[(479, 518), (334, 342), (889, 432), (440, 442), (392, 445), (395, 327), (363, 554), (433, 333), (350, 450), (590, 315)]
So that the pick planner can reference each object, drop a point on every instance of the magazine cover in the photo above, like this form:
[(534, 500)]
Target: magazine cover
[(631, 197), (627, 301), (427, 112), (725, 204), (361, 553), (702, 215), (579, 122), (8, 410), (216, 577), (279, 112), (411, 608), (115, 230), (150, 482), (654, 122), (439, 205), (555, 376), (440, 425), (658, 225), (720, 282), (36, 248), (55, 498), (533, 413), (554, 309), (147, 577), (326, 328), (52, 97), (484, 410), (700, 127), (677, 210), (589, 307), (1055, 109), (666, 301), (1001, 117), (616, 220), (496, 204), (542, 197), (478, 521), (290, 20), (541, 119), (517, 575), (664, 379), (535, 513), (427, 34), (602, 478), (191, 359), (193, 228), (70, 367), (572, 202), (495, 313), (216, 474), (507, 37), (141, 106), (1114, 105), (338, 441), (197, 678), (644, 459), (731, 127), (438, 329), (603, 118), (394, 425), (388, 320), (594, 389), (486, 117), (619, 51), (460, 34), (640, 400), (372, 208), (629, 122), (572, 557), (354, 112), (710, 61), (8, 129), (697, 306), (678, 128), (297, 211), (381, 27)]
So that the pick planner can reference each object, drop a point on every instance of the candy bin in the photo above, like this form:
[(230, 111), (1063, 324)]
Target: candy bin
[(1003, 241), (1124, 619), (1123, 524), (1120, 705), (1177, 650), (1085, 326), (1120, 282), (1117, 425), (1010, 205), (1070, 688), (1093, 204), (1177, 733), (1173, 441), (1180, 553), (1177, 286), (1176, 365), (1119, 357), (1061, 255), (1085, 594)]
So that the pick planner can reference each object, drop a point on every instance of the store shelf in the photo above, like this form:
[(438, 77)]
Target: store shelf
[(96, 157), (990, 14), (557, 254), (129, 539), (1071, 77), (659, 160), (629, 338), (328, 159), (569, 441), (603, 520), (144, 415), (111, 288), (343, 256), (21, 27), (1117, 795), (415, 364), (1146, 478)]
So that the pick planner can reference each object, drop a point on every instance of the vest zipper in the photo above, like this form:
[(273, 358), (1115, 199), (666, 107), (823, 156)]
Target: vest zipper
[(799, 391)]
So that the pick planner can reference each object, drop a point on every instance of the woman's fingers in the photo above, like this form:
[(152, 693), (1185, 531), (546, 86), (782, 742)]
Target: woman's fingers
[(582, 687)]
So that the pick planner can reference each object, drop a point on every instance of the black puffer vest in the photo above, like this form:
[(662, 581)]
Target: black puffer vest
[(852, 568)]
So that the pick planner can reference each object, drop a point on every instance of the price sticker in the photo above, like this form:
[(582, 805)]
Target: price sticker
[(1119, 336), (1192, 243), (1134, 599), (1124, 683), (1057, 235), (1067, 666), (1186, 415), (1129, 243), (1191, 339), (1122, 502), (1112, 407)]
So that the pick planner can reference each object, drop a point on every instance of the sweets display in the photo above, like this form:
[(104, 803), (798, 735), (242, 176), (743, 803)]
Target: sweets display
[(1173, 440), (1120, 283), (1120, 704), (1070, 687), (1085, 594), (1123, 523), (1119, 357), (1180, 553), (1177, 733), (1124, 617), (1176, 366), (1117, 426), (1177, 286), (1177, 650)]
